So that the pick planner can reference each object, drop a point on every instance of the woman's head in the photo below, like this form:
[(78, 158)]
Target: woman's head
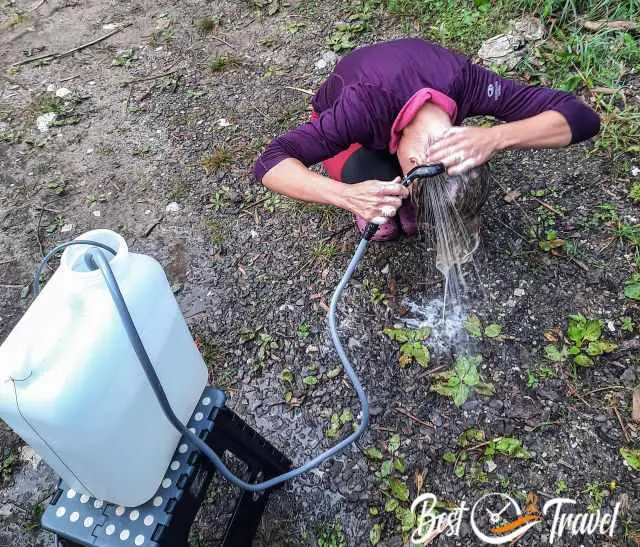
[(429, 123)]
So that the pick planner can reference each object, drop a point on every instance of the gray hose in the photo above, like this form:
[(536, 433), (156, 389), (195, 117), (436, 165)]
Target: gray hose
[(100, 261)]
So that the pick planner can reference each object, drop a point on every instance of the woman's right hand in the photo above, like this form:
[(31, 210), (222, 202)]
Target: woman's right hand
[(374, 200)]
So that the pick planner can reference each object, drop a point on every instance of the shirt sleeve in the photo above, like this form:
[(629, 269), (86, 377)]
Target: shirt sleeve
[(357, 116), (486, 93)]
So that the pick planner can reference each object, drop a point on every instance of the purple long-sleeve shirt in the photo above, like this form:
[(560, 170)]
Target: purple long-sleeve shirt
[(361, 99)]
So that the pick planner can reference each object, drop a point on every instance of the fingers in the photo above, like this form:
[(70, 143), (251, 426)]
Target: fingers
[(394, 188), (392, 200), (463, 166)]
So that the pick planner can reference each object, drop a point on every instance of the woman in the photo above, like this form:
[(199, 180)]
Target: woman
[(394, 105)]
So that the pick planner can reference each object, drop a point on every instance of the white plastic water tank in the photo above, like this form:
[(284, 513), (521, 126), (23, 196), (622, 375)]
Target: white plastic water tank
[(72, 387)]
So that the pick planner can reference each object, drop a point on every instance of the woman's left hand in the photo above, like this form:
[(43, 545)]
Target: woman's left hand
[(463, 148)]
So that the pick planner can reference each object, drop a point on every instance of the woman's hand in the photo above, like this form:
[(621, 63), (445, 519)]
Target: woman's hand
[(462, 148), (374, 200)]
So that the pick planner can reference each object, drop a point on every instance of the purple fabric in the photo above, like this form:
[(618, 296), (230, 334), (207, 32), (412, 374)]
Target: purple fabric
[(361, 99)]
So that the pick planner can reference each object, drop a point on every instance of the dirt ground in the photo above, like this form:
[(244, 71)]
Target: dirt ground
[(245, 264)]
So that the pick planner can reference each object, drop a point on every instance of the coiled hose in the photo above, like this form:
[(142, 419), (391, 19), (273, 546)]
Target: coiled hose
[(96, 259)]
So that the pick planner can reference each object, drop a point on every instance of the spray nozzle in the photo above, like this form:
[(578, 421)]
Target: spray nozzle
[(423, 171)]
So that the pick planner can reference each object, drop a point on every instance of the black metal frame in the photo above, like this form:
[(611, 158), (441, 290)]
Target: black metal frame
[(224, 432)]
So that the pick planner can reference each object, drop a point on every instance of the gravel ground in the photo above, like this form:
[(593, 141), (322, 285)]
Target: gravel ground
[(245, 264)]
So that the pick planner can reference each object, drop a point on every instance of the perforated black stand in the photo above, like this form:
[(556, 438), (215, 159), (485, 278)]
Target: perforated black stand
[(165, 520)]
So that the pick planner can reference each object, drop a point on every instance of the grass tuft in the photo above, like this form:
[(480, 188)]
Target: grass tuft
[(205, 26), (213, 162), (218, 64)]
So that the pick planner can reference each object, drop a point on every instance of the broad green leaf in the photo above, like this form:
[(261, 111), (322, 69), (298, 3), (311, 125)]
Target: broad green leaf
[(553, 354), (449, 457), (394, 444), (582, 360), (391, 505), (399, 465), (632, 290), (473, 326), (386, 468), (374, 511), (511, 447), (492, 331), (459, 469), (373, 453), (399, 335), (470, 436), (310, 380), (573, 350), (442, 389), (593, 330), (346, 416), (408, 520), (632, 457), (286, 376), (375, 534), (422, 355), (461, 394), (288, 396), (399, 490)]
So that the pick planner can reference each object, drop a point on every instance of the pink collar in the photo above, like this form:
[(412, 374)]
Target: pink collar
[(411, 108)]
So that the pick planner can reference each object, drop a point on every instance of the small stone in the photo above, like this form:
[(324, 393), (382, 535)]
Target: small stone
[(63, 92), (490, 466), (66, 228), (172, 207), (29, 455), (321, 64), (385, 270), (518, 292), (628, 376), (6, 510), (300, 302), (96, 213), (496, 404), (635, 171), (44, 121)]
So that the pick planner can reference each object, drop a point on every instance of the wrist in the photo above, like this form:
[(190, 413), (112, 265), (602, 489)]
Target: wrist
[(502, 137), (340, 193)]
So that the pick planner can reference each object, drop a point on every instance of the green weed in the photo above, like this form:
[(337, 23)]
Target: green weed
[(326, 252), (205, 26), (216, 160), (344, 35), (158, 37), (582, 342), (412, 346), (390, 469), (223, 62), (634, 193), (125, 58), (331, 534), (473, 326), (462, 381), (475, 452)]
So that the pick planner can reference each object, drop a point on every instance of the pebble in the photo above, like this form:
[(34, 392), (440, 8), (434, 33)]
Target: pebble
[(63, 92), (518, 292), (628, 376), (490, 466), (172, 207)]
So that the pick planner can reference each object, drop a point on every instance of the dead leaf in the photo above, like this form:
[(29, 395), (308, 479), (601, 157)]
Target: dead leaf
[(635, 406), (552, 335), (273, 8), (419, 480), (512, 195), (617, 25)]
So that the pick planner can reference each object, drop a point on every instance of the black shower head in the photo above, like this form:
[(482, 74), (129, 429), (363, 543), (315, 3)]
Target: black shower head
[(423, 171)]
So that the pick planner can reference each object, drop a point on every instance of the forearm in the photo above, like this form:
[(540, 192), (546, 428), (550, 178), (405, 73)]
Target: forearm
[(291, 178), (547, 130)]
